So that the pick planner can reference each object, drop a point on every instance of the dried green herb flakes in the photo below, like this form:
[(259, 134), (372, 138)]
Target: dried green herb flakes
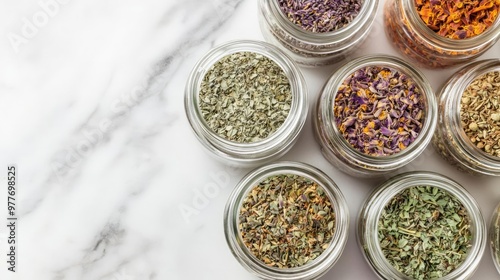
[(480, 112), (424, 232), (245, 97), (287, 221)]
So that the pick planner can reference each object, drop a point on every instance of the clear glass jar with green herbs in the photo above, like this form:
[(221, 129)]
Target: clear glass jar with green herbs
[(468, 133), (374, 115), (299, 27), (495, 237), (421, 225), (246, 102), (286, 220)]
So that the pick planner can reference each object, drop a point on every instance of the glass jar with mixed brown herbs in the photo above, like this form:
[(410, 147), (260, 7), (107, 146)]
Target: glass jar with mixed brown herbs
[(422, 225), (286, 220), (375, 115), (438, 33), (317, 32), (468, 133), (246, 102)]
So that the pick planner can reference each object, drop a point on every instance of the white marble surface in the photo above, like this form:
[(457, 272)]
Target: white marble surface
[(91, 106)]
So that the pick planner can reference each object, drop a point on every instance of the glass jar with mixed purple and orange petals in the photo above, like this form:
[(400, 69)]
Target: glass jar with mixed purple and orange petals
[(375, 115)]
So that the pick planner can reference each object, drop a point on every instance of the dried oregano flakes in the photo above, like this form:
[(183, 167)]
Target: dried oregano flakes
[(286, 221), (245, 97), (425, 232)]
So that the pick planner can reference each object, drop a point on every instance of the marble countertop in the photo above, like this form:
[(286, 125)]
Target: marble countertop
[(92, 115)]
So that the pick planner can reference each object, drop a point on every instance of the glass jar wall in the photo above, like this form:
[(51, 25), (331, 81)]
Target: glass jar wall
[(268, 148), (415, 40), (450, 139)]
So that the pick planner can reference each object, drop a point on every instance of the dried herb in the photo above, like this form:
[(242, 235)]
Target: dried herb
[(245, 97), (495, 237), (287, 221), (458, 19), (379, 110), (480, 112), (320, 16), (409, 41), (424, 232)]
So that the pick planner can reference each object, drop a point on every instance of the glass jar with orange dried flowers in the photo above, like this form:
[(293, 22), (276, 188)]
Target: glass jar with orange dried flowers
[(437, 33)]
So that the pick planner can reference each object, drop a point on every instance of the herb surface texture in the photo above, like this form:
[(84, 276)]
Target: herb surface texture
[(320, 16), (245, 97), (458, 19), (379, 110), (287, 221)]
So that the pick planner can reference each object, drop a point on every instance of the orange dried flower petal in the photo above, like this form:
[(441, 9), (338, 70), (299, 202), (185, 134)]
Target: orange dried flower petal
[(458, 19)]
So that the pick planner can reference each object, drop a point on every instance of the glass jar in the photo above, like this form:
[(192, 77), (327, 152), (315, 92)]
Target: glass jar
[(314, 49), (495, 237), (415, 40), (367, 230), (335, 147), (311, 270), (450, 139), (255, 153)]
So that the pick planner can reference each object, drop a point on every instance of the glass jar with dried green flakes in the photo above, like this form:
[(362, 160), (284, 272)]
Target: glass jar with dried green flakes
[(374, 115), (317, 32), (422, 225), (495, 237), (286, 220), (468, 133), (246, 101)]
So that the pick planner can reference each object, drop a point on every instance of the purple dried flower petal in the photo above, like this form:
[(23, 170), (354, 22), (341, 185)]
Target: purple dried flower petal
[(385, 131)]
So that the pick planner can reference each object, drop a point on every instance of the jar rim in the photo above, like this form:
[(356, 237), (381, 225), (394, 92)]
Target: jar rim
[(393, 161), (448, 44), (286, 133), (311, 270), (367, 230), (368, 7), (495, 237), (453, 91)]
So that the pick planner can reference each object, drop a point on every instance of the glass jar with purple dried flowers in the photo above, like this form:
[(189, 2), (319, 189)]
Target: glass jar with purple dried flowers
[(317, 32), (438, 34), (375, 115), (468, 133)]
